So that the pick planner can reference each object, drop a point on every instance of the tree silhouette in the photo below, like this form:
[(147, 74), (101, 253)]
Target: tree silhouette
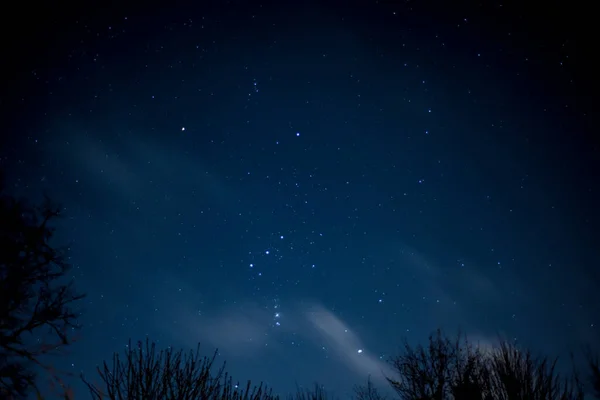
[(36, 297), (318, 393), (368, 392), (517, 374), (593, 364), (455, 369), (444, 369), (145, 374)]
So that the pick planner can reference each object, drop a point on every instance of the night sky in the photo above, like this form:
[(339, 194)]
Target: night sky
[(302, 185)]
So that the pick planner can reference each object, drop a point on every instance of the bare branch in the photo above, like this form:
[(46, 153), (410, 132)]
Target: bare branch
[(37, 317), (447, 369), (368, 392), (145, 373)]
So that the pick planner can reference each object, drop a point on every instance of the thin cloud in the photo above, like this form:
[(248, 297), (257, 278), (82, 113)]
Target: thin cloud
[(346, 344)]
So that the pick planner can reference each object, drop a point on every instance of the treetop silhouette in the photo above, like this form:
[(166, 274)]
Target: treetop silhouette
[(37, 298)]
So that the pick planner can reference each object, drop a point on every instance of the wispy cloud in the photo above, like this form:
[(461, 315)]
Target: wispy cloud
[(461, 289), (241, 330), (346, 344), (126, 165), (245, 329)]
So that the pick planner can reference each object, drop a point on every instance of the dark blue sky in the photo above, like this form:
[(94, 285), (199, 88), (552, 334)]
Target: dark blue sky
[(302, 186)]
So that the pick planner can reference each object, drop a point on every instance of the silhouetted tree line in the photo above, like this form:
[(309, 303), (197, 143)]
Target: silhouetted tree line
[(37, 318)]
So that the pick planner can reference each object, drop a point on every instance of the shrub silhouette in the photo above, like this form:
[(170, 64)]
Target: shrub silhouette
[(147, 374), (36, 297), (318, 393), (368, 392), (456, 369), (593, 364), (517, 374), (444, 369)]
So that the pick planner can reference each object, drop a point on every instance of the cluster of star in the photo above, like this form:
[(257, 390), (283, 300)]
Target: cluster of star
[(276, 313)]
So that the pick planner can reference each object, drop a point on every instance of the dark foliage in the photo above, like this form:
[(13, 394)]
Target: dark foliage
[(455, 369), (36, 298), (518, 375), (318, 393), (444, 369), (367, 392), (147, 374), (593, 363)]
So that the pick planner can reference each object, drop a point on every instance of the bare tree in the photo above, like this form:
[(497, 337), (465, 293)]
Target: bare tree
[(317, 393), (36, 296), (593, 364), (148, 374), (444, 369), (516, 374), (455, 369), (590, 381), (368, 391)]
